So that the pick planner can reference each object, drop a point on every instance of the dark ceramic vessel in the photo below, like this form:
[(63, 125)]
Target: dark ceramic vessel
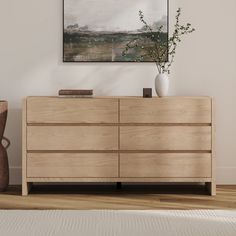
[(4, 168)]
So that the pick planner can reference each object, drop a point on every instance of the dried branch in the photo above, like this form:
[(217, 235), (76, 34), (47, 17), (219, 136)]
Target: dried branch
[(160, 49)]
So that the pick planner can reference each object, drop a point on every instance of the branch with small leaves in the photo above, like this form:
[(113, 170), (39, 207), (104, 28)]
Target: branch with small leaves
[(155, 47)]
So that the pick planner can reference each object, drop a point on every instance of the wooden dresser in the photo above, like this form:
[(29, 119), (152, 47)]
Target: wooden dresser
[(118, 139)]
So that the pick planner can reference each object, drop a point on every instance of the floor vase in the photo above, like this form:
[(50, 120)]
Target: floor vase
[(4, 167)]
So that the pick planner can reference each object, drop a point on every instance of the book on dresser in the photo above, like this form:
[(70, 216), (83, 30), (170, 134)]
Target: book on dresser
[(118, 139), (76, 93)]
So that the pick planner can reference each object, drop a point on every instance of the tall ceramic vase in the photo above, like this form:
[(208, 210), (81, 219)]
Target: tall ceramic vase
[(4, 168), (162, 85)]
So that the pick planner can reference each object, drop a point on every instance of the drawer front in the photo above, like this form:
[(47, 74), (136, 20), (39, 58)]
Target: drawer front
[(69, 110), (72, 165), (165, 138), (72, 138), (166, 165), (165, 110)]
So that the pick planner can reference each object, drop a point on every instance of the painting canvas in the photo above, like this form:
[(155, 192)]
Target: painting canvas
[(98, 30)]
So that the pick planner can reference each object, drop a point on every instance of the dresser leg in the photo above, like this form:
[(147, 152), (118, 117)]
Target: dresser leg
[(211, 187), (26, 188), (118, 185)]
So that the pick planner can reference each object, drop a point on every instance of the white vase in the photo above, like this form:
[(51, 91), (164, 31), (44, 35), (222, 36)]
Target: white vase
[(162, 85)]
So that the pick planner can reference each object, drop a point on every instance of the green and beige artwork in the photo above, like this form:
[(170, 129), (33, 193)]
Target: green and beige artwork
[(99, 30)]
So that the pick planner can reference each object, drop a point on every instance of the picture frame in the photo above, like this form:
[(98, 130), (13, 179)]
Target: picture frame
[(69, 55)]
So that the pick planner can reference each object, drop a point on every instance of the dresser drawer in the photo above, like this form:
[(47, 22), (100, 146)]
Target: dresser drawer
[(167, 165), (71, 110), (68, 165), (72, 138), (165, 138), (165, 110)]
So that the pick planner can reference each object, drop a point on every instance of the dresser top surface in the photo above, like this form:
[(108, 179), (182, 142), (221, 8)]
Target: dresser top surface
[(125, 97)]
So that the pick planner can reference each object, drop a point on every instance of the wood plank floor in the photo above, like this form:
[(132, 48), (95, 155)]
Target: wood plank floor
[(130, 197)]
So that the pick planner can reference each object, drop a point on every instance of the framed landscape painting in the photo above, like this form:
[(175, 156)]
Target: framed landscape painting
[(99, 30)]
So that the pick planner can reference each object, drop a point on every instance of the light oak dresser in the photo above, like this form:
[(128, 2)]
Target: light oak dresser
[(118, 139)]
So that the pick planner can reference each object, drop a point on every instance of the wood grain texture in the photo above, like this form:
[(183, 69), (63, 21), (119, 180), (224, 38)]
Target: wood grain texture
[(72, 138), (166, 110), (184, 165), (72, 165), (114, 180), (212, 185), (165, 138), (130, 197), (124, 139), (24, 149), (71, 110), (25, 185)]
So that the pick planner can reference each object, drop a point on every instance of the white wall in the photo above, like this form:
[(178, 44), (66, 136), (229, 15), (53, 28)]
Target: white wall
[(31, 64)]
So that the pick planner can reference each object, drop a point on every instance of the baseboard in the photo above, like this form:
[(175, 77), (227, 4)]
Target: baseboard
[(225, 175)]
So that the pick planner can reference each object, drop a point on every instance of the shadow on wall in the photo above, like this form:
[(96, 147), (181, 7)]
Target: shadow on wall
[(33, 66), (103, 79)]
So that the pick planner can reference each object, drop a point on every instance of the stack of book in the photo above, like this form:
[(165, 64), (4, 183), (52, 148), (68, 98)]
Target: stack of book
[(76, 93)]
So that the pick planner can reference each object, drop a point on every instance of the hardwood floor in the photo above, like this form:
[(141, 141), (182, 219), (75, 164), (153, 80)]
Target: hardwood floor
[(130, 197)]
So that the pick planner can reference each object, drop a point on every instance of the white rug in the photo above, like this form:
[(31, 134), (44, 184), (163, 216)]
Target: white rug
[(117, 223)]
